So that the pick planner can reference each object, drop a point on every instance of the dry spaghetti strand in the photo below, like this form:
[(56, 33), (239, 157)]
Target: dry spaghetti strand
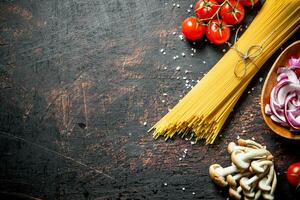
[(204, 110)]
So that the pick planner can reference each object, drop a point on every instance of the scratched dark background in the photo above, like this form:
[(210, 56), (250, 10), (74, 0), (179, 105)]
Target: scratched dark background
[(80, 77)]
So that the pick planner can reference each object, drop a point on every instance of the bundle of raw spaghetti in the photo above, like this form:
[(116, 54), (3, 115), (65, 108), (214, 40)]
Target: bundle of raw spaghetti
[(206, 107)]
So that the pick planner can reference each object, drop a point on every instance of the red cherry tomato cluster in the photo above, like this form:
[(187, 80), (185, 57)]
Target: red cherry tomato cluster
[(214, 18)]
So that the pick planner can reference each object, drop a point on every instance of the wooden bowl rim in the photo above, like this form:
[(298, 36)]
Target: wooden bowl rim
[(278, 129)]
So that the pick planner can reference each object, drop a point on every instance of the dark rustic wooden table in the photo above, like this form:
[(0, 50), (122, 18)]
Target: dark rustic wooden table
[(80, 77)]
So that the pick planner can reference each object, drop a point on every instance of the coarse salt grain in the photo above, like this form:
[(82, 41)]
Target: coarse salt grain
[(145, 123), (163, 101), (174, 33), (184, 78), (183, 188), (177, 77), (204, 61), (183, 54), (181, 37), (165, 94), (180, 159), (178, 6), (162, 50), (178, 68), (165, 184)]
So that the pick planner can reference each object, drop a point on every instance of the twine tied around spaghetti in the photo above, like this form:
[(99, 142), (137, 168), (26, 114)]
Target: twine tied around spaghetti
[(245, 58)]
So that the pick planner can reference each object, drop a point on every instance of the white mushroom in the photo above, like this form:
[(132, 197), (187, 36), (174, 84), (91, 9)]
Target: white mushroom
[(270, 195), (232, 180), (249, 194), (250, 143), (242, 160), (258, 165), (217, 173), (235, 194), (265, 183), (246, 183), (251, 174), (257, 195), (233, 147)]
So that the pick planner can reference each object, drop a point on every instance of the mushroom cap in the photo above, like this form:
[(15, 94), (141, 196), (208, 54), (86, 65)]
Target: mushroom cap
[(263, 184), (268, 196), (231, 181), (257, 195), (238, 161), (258, 165), (230, 147), (249, 143), (234, 194), (250, 194), (216, 178), (244, 185)]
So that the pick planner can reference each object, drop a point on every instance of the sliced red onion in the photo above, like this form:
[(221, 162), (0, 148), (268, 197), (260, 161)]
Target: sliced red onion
[(293, 61), (293, 121), (284, 107)]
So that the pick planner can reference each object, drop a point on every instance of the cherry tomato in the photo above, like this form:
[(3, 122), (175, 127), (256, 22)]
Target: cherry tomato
[(293, 174), (192, 28), (205, 9), (233, 12), (218, 32), (248, 2)]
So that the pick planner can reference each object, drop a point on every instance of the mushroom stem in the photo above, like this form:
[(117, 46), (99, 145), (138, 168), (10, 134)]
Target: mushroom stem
[(242, 160), (270, 196), (257, 195), (232, 180), (235, 194), (225, 171), (217, 173), (247, 183), (264, 184), (257, 165)]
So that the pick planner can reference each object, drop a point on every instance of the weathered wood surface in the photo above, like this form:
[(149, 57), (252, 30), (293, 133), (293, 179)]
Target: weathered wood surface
[(81, 77)]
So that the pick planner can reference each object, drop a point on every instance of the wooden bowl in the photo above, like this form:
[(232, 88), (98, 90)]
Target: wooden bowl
[(293, 49)]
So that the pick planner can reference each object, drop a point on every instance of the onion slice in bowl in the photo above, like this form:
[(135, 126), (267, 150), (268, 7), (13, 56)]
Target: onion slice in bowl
[(284, 106)]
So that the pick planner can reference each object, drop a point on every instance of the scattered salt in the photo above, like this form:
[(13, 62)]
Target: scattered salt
[(183, 54), (184, 78), (183, 188), (181, 37), (165, 184), (178, 68), (145, 123)]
